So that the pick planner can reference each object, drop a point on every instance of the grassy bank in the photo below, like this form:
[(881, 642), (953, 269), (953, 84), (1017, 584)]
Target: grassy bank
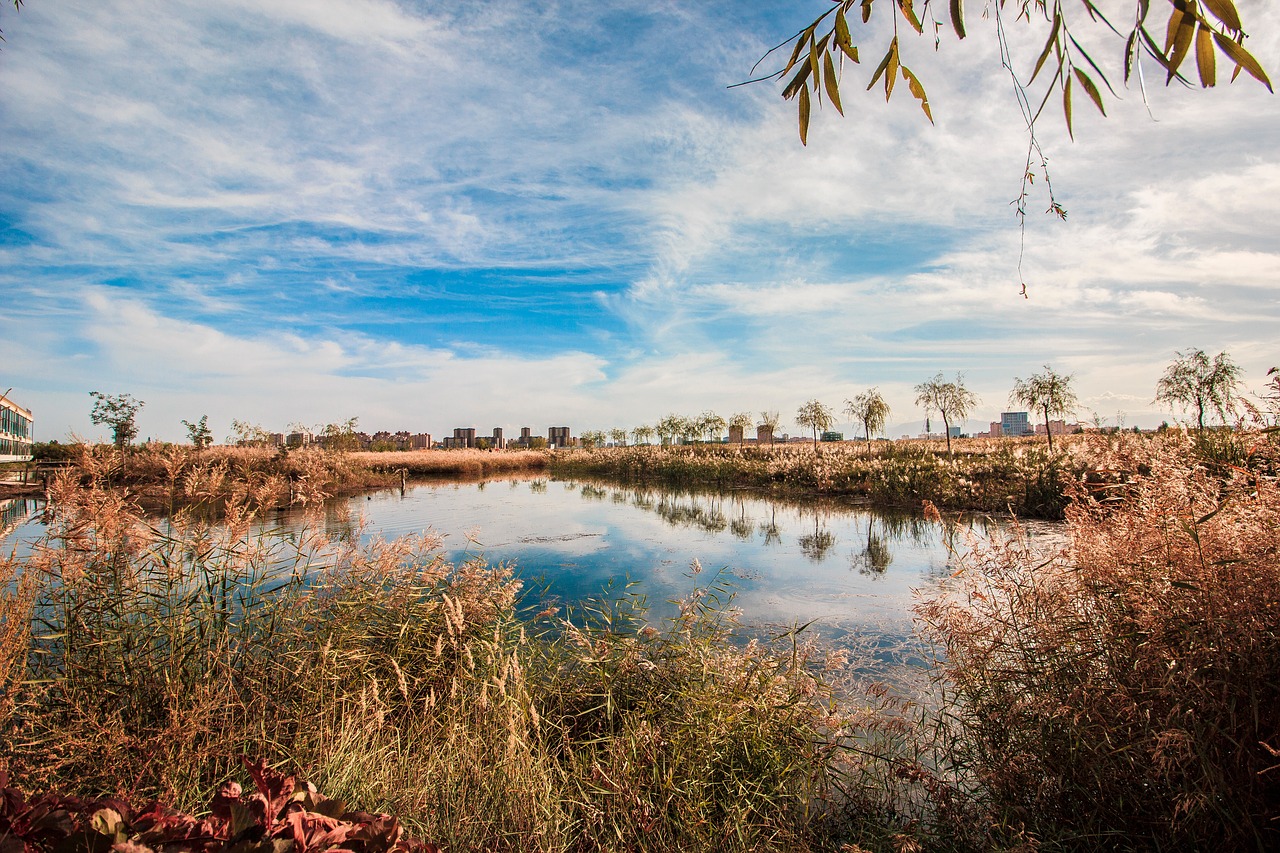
[(1122, 693), (166, 477), (986, 475)]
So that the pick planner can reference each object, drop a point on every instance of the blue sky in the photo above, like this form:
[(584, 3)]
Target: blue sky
[(429, 215)]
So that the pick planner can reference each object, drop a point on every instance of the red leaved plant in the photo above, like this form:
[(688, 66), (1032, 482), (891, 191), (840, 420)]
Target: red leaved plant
[(284, 815)]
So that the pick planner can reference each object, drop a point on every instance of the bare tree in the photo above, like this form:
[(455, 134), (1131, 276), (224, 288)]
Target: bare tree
[(869, 409), (815, 415), (1193, 381), (770, 420), (950, 399), (1048, 392)]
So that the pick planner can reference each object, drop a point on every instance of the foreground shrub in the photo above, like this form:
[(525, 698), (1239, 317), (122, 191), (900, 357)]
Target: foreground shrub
[(1124, 693), (408, 685), (283, 814)]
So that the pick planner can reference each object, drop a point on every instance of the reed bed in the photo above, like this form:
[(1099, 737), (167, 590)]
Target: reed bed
[(1119, 693), (444, 463), (1124, 693), (146, 658), (1017, 476)]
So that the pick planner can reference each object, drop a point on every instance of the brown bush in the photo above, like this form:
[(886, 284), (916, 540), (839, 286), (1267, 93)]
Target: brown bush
[(1124, 692)]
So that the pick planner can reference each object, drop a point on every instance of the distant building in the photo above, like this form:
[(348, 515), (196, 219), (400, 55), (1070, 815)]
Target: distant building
[(421, 441), (764, 435), (832, 436), (463, 437), (735, 435), (496, 441), (1015, 424), (995, 431), (558, 437), (1056, 427), (16, 430), (953, 432)]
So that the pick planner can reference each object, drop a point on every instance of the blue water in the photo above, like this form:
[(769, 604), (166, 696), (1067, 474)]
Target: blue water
[(843, 567)]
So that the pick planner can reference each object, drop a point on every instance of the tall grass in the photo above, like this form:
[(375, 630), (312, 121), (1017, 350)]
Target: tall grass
[(162, 652), (439, 463), (1124, 693), (1017, 476)]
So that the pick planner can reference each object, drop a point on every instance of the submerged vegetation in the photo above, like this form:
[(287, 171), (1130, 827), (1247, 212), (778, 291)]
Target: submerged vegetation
[(1121, 692)]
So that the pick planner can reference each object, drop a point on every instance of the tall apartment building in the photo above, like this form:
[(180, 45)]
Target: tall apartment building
[(1015, 424), (16, 430), (558, 436), (464, 437), (497, 441)]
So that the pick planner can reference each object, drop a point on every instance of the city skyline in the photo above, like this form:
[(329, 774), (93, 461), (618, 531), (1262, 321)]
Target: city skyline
[(436, 214)]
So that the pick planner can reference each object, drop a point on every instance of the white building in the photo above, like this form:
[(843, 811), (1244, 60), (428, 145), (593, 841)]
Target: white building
[(16, 429)]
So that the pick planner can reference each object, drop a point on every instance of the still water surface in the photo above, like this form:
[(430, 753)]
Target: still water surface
[(848, 567)]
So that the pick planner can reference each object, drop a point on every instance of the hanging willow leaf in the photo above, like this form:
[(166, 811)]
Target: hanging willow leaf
[(843, 38), (797, 82), (1204, 57), (957, 17), (1225, 11), (1066, 107), (1090, 89), (804, 116), (913, 83), (884, 63), (1048, 46), (866, 10), (801, 40), (1243, 59), (830, 83), (1182, 38), (891, 73), (909, 13), (1130, 55)]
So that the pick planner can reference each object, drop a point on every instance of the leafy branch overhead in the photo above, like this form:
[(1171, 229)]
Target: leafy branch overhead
[(1207, 29)]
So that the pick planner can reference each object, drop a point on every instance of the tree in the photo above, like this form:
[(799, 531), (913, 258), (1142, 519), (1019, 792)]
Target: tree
[(742, 421), (1214, 26), (618, 436), (1209, 29), (666, 428), (950, 399), (1192, 381), (771, 421), (244, 433), (118, 411), (711, 425), (643, 434), (199, 433), (592, 438), (1049, 392), (341, 436), (869, 409), (815, 416)]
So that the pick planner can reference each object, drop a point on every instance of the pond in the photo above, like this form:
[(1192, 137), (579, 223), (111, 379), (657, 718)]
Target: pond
[(843, 567)]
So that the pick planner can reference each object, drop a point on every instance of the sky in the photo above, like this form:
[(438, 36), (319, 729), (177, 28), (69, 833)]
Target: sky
[(433, 215)]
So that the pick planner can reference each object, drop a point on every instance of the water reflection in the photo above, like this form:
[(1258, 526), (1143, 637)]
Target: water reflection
[(846, 566)]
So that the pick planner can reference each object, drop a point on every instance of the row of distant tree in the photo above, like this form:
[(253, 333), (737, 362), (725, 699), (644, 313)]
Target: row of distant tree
[(1193, 382)]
